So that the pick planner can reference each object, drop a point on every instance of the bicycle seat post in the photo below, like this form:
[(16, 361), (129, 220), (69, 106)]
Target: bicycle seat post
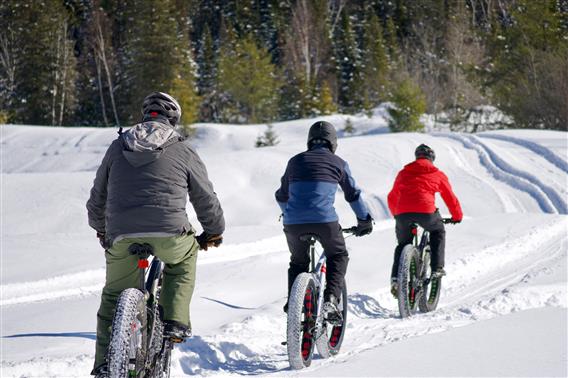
[(313, 253), (143, 251), (414, 230)]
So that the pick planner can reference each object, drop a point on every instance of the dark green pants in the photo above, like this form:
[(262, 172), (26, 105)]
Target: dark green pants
[(179, 253)]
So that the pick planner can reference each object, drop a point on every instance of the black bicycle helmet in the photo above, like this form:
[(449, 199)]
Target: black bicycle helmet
[(163, 104), (322, 132), (424, 152)]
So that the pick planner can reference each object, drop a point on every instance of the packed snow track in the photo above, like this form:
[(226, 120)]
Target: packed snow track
[(504, 299)]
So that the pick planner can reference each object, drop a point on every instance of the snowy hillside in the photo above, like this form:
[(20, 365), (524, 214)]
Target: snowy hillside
[(503, 310)]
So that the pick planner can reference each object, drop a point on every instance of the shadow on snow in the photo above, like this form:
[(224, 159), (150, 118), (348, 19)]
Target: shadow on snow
[(364, 306), (228, 357), (82, 335)]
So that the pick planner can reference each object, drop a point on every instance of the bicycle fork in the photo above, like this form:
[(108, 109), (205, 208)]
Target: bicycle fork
[(137, 334), (319, 271)]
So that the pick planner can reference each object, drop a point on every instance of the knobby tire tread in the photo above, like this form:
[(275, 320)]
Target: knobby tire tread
[(323, 344), (409, 253), (294, 329), (129, 303)]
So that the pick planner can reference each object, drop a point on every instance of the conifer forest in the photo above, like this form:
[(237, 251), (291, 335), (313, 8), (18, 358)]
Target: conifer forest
[(91, 62)]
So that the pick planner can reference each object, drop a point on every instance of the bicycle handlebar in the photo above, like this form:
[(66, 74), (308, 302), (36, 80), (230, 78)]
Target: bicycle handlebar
[(449, 221), (350, 230)]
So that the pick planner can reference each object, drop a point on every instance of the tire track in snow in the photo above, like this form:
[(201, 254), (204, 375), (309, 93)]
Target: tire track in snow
[(507, 204), (538, 149), (488, 295), (66, 286), (251, 347), (547, 198)]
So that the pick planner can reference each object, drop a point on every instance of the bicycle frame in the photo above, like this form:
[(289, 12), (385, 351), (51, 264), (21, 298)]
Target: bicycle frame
[(319, 271), (421, 247), (149, 284)]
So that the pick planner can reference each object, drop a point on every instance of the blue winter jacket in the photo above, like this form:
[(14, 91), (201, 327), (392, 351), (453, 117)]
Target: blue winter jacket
[(308, 188)]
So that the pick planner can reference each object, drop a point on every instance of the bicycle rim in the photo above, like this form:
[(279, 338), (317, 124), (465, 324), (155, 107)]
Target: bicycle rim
[(302, 307), (408, 280), (331, 336)]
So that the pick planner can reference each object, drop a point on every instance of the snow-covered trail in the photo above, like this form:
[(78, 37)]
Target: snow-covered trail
[(548, 198), (507, 260), (519, 271)]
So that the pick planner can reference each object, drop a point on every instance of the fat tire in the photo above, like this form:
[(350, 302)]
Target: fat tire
[(329, 344), (130, 304), (163, 362), (295, 329), (430, 291), (408, 260)]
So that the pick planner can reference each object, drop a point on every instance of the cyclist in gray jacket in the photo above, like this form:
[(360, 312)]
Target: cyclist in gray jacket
[(139, 196)]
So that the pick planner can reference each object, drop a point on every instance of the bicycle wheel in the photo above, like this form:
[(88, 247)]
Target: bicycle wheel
[(126, 349), (163, 361), (330, 337), (160, 349), (431, 287), (408, 277), (302, 306)]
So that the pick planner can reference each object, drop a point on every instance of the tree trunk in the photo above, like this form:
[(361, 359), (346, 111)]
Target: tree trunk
[(100, 85)]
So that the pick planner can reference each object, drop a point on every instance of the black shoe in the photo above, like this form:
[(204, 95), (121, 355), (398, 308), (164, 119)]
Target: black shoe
[(438, 273), (100, 371), (394, 287), (176, 331), (331, 311), (285, 308)]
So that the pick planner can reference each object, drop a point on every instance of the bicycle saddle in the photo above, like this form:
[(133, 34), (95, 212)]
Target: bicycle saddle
[(308, 237), (142, 250)]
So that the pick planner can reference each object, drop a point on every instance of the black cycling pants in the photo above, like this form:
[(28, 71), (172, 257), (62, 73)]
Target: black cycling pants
[(430, 222), (333, 243)]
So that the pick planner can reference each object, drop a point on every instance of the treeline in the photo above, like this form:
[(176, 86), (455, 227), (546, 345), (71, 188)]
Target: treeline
[(91, 62)]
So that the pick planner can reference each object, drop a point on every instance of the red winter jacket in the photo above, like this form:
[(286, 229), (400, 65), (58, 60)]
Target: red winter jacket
[(414, 189)]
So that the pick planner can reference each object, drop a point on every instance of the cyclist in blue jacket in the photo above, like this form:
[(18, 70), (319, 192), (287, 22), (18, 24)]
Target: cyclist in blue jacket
[(306, 198)]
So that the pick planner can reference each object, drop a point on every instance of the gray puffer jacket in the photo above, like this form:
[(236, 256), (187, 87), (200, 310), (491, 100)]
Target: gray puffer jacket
[(142, 184)]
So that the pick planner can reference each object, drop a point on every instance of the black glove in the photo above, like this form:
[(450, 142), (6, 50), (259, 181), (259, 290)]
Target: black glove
[(103, 240), (453, 221), (364, 226), (206, 240)]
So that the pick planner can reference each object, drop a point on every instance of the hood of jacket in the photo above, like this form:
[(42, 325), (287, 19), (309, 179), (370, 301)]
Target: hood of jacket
[(420, 166), (145, 142)]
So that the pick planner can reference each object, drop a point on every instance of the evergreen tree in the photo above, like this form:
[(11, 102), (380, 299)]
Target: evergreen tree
[(348, 128), (529, 74), (268, 139), (347, 67), (207, 60), (325, 104), (307, 50), (38, 62), (252, 81), (375, 70), (391, 41), (157, 57), (409, 104)]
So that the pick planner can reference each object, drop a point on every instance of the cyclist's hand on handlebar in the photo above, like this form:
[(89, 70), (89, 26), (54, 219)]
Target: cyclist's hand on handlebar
[(206, 240), (452, 221), (364, 226)]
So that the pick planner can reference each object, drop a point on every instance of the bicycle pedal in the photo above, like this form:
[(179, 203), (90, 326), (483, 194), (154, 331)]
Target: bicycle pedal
[(335, 321), (176, 340)]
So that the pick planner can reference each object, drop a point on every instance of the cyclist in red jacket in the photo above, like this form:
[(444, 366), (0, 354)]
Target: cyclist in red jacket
[(411, 200)]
